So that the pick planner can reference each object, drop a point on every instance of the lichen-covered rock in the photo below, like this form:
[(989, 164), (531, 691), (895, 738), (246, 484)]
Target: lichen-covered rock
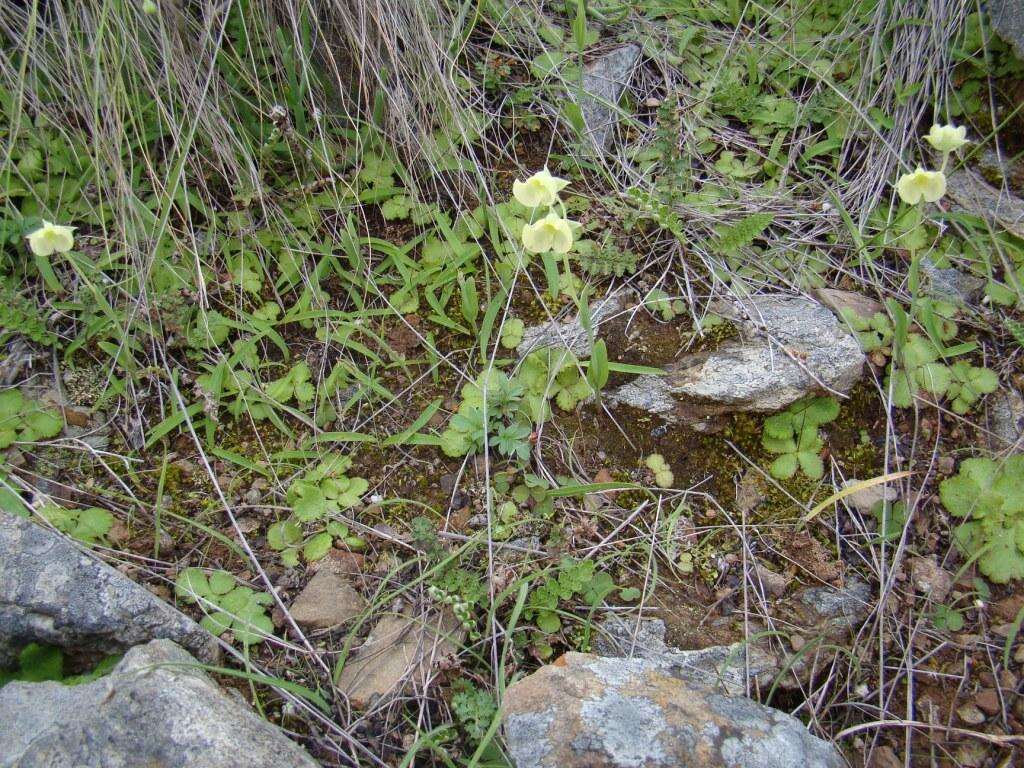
[(1008, 21), (975, 195), (603, 82), (593, 712), (723, 668), (791, 347), (53, 593), (569, 333), (154, 709), (1006, 420)]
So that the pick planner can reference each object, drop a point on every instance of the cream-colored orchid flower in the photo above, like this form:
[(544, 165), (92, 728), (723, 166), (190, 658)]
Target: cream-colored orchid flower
[(947, 138), (540, 189), (552, 233), (50, 239), (921, 185)]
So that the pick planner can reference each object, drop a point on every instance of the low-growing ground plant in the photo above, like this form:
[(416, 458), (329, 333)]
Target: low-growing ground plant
[(989, 496)]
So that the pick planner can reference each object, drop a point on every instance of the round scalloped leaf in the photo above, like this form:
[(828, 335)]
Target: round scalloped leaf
[(12, 402), (811, 464), (290, 557), (221, 582), (1002, 560), (237, 601), (252, 630), (784, 467), (958, 494), (40, 425), (1009, 483), (317, 547), (981, 471), (93, 524), (216, 623), (934, 378), (191, 585), (283, 534), (311, 503)]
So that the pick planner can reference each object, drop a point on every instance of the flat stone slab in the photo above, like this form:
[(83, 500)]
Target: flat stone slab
[(328, 600), (154, 709), (585, 711), (398, 654), (54, 594), (791, 347)]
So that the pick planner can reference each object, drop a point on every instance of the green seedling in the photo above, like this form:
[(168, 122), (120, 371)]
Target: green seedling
[(794, 435), (989, 496), (24, 420)]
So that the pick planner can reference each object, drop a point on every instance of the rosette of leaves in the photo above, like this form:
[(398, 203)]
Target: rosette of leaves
[(794, 435), (25, 420), (227, 604), (326, 489), (507, 425), (289, 539), (89, 526), (575, 579), (920, 369), (989, 496)]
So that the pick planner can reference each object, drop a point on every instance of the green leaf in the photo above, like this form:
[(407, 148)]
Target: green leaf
[(784, 467), (283, 534), (220, 582), (191, 585), (317, 546), (93, 524), (811, 464)]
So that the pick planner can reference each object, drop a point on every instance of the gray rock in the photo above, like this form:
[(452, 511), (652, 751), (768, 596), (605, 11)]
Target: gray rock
[(722, 668), (835, 612), (154, 709), (1006, 419), (328, 600), (1008, 21), (569, 333), (949, 283), (791, 347), (598, 712), (975, 195), (604, 79), (55, 594)]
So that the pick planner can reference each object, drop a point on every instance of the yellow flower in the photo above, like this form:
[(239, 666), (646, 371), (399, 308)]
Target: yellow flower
[(921, 185), (51, 238), (947, 138), (540, 189), (552, 233)]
